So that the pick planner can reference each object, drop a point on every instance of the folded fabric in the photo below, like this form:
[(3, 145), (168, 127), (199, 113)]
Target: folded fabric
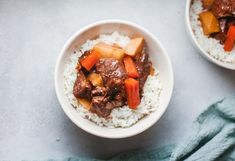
[(211, 137)]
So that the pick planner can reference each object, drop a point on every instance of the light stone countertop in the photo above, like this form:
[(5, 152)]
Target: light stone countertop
[(32, 124)]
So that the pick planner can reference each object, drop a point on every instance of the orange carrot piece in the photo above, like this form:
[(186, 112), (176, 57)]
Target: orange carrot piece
[(89, 61), (132, 91), (230, 40), (130, 67)]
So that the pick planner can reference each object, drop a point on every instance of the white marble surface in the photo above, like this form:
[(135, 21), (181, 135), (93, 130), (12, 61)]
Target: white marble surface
[(32, 124)]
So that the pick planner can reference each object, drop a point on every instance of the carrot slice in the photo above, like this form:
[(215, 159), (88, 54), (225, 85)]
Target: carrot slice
[(132, 91), (130, 67), (89, 61), (229, 42)]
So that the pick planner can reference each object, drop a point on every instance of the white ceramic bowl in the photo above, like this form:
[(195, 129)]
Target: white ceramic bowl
[(197, 45), (160, 60)]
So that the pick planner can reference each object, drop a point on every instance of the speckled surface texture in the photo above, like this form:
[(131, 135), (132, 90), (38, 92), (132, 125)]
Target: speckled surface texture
[(32, 124)]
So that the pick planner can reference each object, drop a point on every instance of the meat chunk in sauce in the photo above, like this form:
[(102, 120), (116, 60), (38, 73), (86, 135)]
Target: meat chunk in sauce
[(113, 74), (103, 101), (112, 95), (100, 91), (82, 87), (223, 8), (98, 106), (143, 66), (111, 68)]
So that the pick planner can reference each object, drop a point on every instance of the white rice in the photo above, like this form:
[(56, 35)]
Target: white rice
[(119, 117), (210, 45)]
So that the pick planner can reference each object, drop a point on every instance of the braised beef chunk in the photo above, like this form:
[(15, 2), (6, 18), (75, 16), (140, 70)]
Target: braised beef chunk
[(143, 67), (110, 68), (99, 99), (230, 21), (100, 91), (98, 106), (103, 101), (113, 94), (115, 85), (103, 105), (119, 99), (113, 74), (223, 8), (112, 104), (82, 88), (221, 36)]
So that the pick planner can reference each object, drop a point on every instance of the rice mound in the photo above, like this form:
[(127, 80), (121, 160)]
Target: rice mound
[(210, 45), (122, 116)]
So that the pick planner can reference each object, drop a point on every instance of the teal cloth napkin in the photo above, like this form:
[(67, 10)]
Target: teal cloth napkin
[(211, 137)]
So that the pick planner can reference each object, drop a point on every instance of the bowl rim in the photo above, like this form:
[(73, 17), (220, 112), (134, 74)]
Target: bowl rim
[(103, 22), (197, 45)]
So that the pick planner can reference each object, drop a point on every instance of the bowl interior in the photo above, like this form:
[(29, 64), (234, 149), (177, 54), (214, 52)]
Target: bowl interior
[(157, 55), (197, 45)]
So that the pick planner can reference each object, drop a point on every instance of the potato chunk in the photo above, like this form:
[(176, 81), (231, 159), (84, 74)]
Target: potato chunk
[(209, 22), (108, 51), (135, 46), (85, 103), (95, 79)]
